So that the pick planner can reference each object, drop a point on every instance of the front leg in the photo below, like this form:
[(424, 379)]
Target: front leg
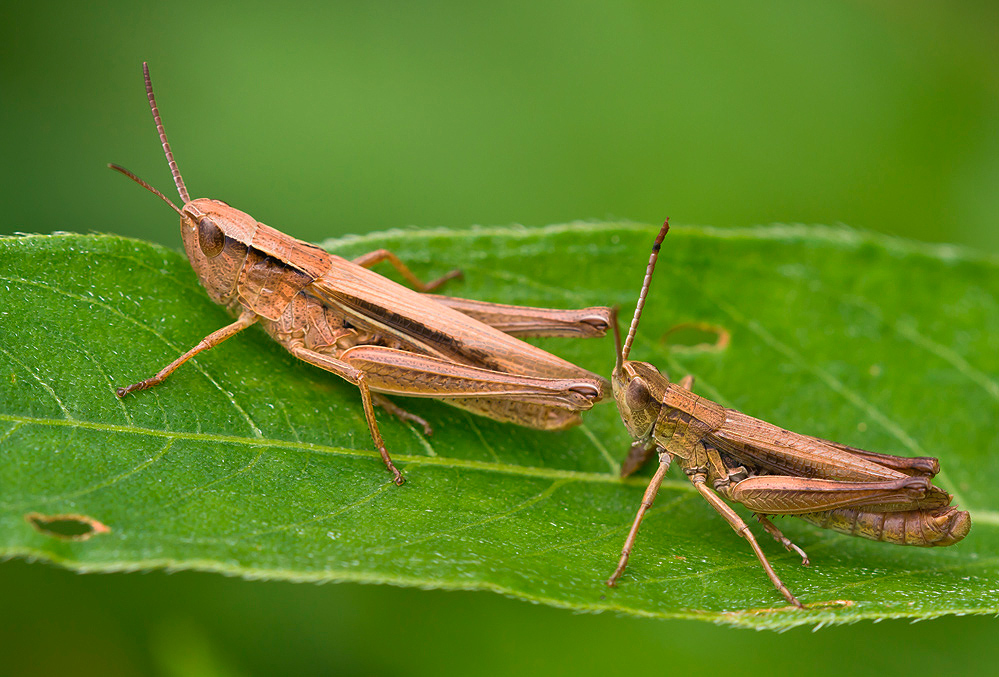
[(647, 500), (246, 318)]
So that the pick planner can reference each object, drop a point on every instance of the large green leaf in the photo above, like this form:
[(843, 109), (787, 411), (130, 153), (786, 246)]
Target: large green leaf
[(248, 462)]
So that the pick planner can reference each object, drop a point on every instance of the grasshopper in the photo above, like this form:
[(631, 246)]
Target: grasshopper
[(376, 334), (770, 470)]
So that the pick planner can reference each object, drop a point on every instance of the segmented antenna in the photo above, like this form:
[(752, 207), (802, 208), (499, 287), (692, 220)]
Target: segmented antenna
[(119, 168), (181, 188), (645, 290)]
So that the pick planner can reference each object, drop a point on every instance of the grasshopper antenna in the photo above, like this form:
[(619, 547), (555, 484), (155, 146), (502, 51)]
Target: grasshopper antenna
[(181, 188), (624, 352), (145, 185)]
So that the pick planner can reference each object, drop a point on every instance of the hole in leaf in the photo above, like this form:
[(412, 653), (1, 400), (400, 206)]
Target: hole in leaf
[(700, 337), (66, 527)]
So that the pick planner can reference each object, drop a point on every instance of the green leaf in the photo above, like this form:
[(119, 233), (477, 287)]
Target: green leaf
[(248, 462)]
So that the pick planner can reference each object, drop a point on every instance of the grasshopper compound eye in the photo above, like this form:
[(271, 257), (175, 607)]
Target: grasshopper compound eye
[(210, 237), (637, 397)]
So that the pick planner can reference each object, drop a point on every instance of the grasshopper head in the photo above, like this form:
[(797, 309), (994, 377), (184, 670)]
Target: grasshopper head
[(638, 390), (216, 237)]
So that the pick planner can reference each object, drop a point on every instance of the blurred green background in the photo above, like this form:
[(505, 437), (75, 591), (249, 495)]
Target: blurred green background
[(348, 117)]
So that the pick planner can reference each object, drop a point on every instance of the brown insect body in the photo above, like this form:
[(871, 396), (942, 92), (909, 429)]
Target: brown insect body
[(378, 334), (773, 471)]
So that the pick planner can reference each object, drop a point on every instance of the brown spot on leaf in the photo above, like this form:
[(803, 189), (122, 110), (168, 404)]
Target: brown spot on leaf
[(697, 337), (66, 527)]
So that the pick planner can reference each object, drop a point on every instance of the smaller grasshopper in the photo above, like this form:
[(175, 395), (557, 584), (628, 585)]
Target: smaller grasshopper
[(770, 470), (378, 335)]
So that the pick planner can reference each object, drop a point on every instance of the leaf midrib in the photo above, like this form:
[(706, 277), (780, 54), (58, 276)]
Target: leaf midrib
[(980, 516), (307, 447)]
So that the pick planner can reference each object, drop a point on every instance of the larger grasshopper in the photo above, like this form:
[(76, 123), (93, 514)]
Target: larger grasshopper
[(377, 334), (770, 470)]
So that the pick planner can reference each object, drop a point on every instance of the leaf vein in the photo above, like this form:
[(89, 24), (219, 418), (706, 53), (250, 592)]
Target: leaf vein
[(100, 485), (367, 498), (615, 467), (482, 438), (908, 330), (41, 382), (524, 505), (111, 309), (218, 480), (437, 461)]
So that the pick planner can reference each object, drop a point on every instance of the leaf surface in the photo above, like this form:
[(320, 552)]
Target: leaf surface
[(248, 462)]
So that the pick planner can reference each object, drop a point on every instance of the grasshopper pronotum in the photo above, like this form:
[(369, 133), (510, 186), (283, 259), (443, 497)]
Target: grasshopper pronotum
[(770, 470), (377, 334)]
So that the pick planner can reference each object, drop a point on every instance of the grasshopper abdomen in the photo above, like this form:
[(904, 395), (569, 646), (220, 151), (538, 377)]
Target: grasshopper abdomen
[(922, 528)]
